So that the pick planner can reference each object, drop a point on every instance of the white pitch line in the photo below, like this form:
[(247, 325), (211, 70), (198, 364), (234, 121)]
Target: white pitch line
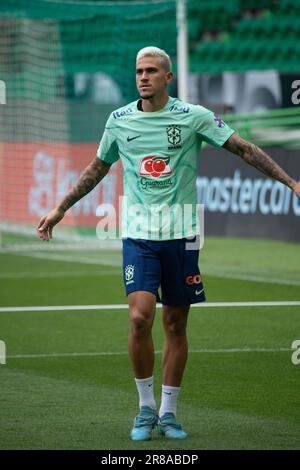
[(72, 259), (229, 274), (75, 354), (56, 308), (50, 274), (211, 270), (125, 353)]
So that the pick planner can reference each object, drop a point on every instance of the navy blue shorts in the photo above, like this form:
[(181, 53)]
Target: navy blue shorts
[(149, 265)]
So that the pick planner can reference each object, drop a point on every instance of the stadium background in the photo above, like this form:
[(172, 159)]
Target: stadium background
[(64, 66)]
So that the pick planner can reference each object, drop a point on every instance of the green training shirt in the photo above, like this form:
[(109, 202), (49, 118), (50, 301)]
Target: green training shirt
[(159, 152)]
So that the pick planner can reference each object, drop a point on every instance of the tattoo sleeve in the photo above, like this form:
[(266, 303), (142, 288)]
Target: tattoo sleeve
[(91, 176), (256, 157)]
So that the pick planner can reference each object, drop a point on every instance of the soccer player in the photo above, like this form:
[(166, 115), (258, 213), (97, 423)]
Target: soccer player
[(158, 139)]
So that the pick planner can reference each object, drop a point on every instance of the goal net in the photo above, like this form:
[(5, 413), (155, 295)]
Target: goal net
[(64, 66)]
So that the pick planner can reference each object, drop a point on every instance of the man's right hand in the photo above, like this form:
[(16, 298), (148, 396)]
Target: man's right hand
[(47, 223)]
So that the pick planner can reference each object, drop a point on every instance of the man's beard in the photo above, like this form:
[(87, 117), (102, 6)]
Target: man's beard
[(147, 97)]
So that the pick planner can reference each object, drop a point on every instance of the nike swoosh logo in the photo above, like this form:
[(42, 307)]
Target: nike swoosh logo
[(129, 139), (198, 293), (150, 385), (168, 393)]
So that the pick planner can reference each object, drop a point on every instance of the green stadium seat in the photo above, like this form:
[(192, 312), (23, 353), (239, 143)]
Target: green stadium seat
[(194, 25), (257, 4), (216, 15), (289, 6)]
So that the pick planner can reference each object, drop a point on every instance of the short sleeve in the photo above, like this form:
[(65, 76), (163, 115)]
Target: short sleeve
[(212, 129), (108, 149)]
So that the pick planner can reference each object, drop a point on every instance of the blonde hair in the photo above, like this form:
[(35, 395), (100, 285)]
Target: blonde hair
[(160, 54)]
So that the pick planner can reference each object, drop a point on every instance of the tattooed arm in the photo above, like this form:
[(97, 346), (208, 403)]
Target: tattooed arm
[(91, 176), (256, 157)]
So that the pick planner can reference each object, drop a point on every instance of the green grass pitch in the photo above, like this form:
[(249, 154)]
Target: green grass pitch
[(68, 384)]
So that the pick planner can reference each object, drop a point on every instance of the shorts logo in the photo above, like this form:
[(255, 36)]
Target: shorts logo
[(155, 166), (129, 273), (174, 136), (190, 280), (198, 292)]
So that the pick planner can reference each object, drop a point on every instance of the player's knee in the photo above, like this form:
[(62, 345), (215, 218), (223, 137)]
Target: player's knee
[(140, 323), (176, 328)]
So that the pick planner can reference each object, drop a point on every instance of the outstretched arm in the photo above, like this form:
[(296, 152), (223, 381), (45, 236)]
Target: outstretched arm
[(91, 176), (256, 157)]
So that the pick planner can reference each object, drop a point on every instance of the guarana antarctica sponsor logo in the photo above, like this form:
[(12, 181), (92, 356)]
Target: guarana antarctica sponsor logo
[(154, 170)]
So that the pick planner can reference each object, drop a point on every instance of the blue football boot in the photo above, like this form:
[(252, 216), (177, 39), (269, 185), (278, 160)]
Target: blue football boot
[(167, 426), (143, 424)]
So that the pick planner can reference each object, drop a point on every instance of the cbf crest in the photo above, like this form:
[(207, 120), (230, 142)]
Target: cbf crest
[(174, 136), (129, 273)]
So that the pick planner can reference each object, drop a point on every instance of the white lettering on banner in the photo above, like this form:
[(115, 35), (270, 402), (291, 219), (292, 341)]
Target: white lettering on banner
[(2, 92), (296, 94), (296, 205), (225, 204), (2, 352), (263, 206), (53, 178), (64, 179), (235, 190), (277, 197), (41, 198), (296, 354), (246, 196)]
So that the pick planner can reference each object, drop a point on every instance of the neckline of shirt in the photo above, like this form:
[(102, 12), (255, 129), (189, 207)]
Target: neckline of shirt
[(139, 105)]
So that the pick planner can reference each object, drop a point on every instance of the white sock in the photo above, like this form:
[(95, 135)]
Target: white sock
[(168, 400), (146, 392)]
